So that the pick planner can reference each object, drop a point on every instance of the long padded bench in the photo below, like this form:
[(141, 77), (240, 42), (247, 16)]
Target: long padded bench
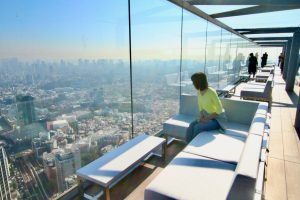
[(228, 89), (258, 91), (262, 76), (216, 165), (268, 68)]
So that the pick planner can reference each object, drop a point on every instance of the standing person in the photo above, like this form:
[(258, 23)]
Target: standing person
[(264, 59), (211, 110), (252, 65), (281, 61)]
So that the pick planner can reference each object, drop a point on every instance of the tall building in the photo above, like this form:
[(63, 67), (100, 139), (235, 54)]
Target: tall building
[(50, 169), (66, 162), (4, 176), (25, 106)]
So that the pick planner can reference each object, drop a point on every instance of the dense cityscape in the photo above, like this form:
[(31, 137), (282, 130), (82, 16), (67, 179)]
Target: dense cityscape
[(59, 116)]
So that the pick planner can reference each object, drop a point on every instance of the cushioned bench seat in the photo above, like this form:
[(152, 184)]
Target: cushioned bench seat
[(252, 85), (243, 186), (236, 129), (269, 69), (258, 124), (262, 76), (191, 177), (178, 124), (217, 146), (227, 90), (236, 125), (216, 165), (258, 91)]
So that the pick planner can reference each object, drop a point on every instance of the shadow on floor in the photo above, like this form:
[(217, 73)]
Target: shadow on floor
[(280, 104), (294, 97)]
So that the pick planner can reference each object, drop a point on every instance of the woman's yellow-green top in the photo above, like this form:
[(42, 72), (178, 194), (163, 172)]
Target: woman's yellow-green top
[(210, 102)]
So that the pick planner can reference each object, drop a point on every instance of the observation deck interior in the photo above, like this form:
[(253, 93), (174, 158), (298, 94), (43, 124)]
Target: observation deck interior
[(282, 177), (79, 84)]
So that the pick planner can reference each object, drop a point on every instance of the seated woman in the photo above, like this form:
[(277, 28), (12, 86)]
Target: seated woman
[(211, 110)]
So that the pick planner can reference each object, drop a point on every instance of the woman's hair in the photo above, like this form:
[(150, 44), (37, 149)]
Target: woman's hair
[(200, 81)]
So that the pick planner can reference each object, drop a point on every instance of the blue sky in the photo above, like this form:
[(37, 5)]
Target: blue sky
[(61, 29)]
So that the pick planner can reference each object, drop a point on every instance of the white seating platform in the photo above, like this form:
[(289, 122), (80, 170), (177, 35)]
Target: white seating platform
[(113, 166), (262, 76), (227, 90)]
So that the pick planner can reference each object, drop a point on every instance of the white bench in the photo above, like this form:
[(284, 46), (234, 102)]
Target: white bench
[(268, 69), (231, 162), (262, 76), (109, 169), (227, 90)]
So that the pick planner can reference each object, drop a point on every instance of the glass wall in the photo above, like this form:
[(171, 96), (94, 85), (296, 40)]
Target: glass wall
[(156, 42), (64, 89), (212, 67), (233, 71), (241, 59), (193, 49), (225, 62), (66, 79)]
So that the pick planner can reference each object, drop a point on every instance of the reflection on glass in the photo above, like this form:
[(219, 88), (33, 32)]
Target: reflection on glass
[(155, 40), (193, 49), (64, 88), (234, 66), (213, 55), (240, 60), (225, 59)]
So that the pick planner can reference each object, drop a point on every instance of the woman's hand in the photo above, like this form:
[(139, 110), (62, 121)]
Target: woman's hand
[(206, 119), (203, 119)]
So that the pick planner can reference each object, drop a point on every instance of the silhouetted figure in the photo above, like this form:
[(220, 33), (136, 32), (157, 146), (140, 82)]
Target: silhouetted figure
[(252, 66), (264, 59), (281, 61)]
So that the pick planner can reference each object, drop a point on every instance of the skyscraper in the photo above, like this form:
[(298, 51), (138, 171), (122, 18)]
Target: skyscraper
[(66, 162), (4, 176), (25, 107)]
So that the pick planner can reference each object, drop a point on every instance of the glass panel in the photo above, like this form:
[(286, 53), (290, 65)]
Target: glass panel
[(236, 59), (156, 32), (273, 53), (213, 55), (241, 58), (193, 49), (64, 83), (225, 61)]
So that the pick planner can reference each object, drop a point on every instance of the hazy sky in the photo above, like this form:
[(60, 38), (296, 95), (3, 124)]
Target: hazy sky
[(61, 29)]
